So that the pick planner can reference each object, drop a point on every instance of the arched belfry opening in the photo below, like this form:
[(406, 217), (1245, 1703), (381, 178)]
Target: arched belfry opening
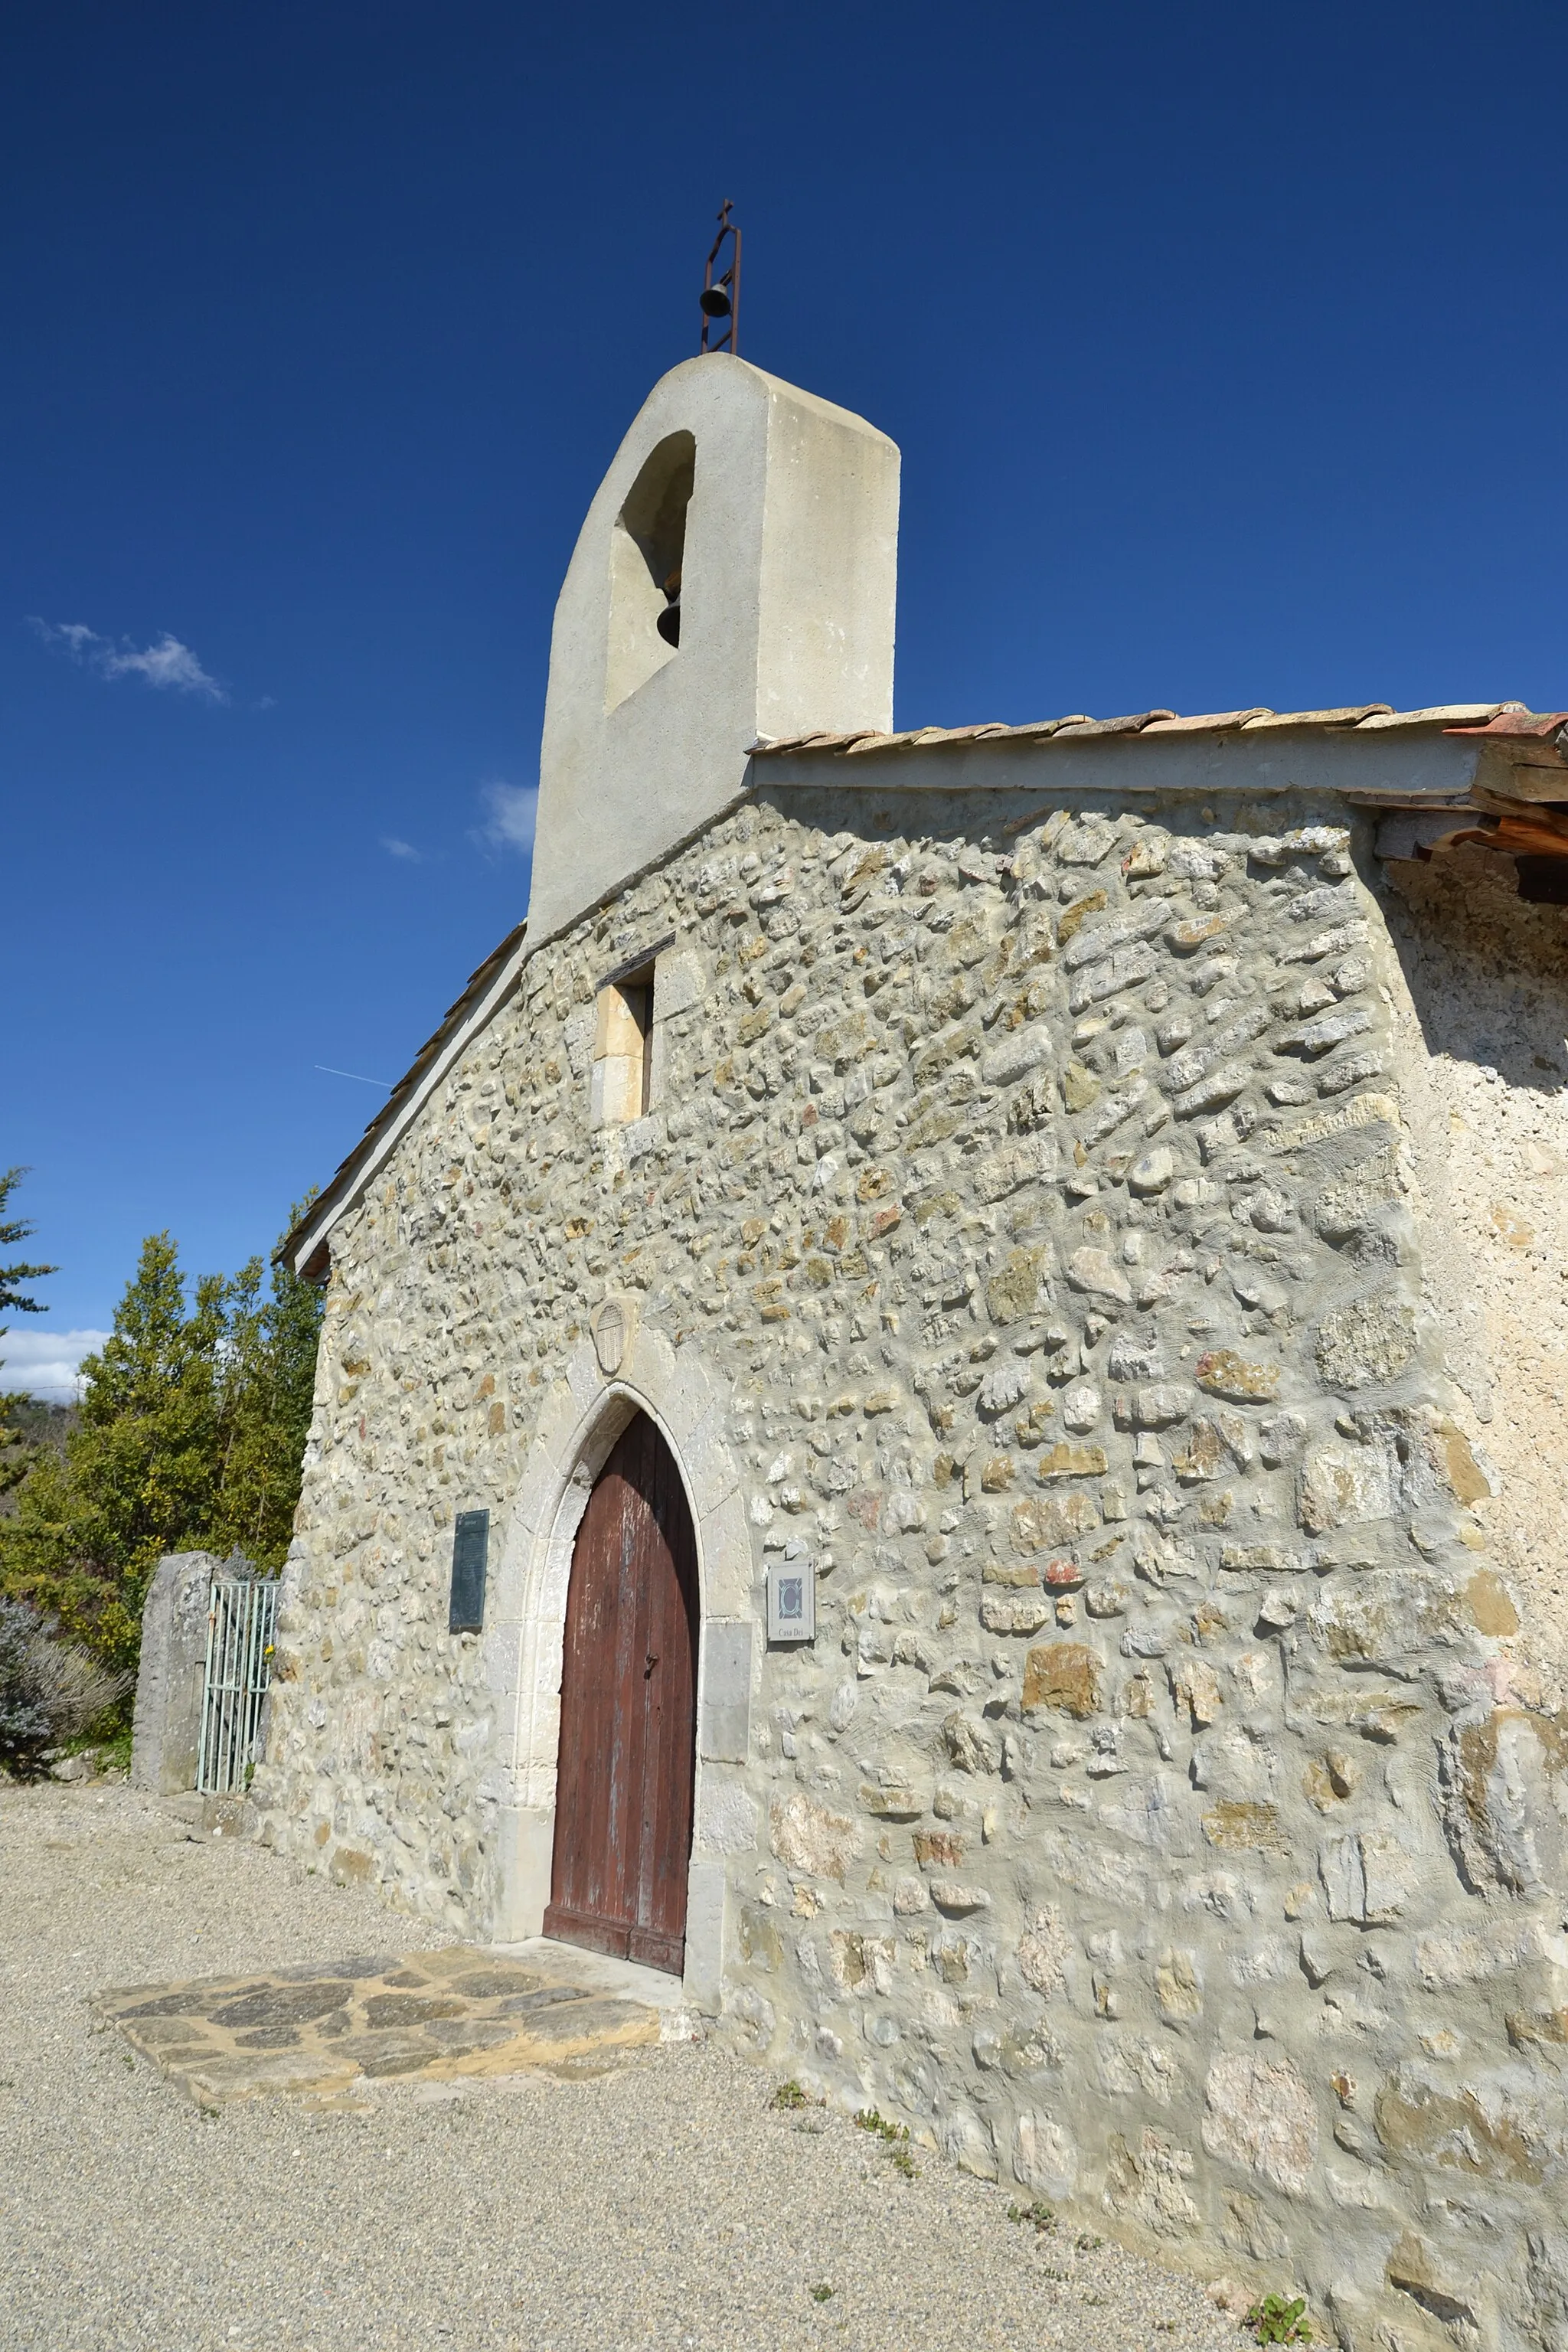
[(626, 1772), (647, 552)]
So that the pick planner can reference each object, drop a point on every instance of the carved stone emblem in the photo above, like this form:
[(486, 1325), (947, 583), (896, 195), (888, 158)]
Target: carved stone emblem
[(608, 1325)]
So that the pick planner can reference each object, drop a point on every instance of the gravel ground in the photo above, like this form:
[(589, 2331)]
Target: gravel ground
[(661, 2203)]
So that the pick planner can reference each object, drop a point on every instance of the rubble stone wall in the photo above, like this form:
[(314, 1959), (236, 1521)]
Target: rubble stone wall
[(1156, 1820), (1486, 1069)]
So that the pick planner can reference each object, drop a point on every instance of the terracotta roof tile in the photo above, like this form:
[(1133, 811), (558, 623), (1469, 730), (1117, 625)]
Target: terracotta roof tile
[(1351, 716), (1514, 719), (886, 743), (1132, 726), (1446, 714), (1214, 722), (1078, 726)]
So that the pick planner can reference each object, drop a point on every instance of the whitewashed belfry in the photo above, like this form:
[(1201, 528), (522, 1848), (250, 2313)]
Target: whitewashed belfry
[(768, 521)]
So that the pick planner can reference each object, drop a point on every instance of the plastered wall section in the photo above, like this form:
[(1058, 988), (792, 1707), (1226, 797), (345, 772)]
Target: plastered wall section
[(1157, 1821), (1484, 1017)]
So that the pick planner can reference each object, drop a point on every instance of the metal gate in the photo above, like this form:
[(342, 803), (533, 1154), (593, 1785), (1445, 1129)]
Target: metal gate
[(241, 1613)]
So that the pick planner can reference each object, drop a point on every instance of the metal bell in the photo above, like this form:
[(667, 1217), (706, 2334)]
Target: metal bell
[(715, 301)]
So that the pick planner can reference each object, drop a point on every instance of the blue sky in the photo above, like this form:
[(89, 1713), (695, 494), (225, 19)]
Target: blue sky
[(1225, 348)]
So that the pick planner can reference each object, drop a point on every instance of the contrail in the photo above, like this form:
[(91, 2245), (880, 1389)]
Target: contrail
[(356, 1076)]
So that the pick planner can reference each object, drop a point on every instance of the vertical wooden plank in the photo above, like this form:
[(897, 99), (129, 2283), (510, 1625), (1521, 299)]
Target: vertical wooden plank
[(577, 1697), (659, 1933), (588, 1904)]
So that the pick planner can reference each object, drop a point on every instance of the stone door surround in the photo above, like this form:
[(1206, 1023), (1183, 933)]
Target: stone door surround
[(578, 1425)]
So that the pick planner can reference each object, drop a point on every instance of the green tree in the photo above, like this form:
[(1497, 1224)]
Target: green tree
[(265, 1389), (12, 1231), (192, 1431), (138, 1476), (16, 1456)]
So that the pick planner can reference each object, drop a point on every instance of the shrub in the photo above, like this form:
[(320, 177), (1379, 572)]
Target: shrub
[(1275, 2321), (49, 1691), (896, 2138), (1042, 2216)]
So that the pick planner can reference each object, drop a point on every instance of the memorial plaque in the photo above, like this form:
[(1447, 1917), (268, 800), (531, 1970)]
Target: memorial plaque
[(471, 1549), (792, 1601)]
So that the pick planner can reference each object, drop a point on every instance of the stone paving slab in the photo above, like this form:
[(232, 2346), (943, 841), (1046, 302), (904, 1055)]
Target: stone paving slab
[(314, 2029)]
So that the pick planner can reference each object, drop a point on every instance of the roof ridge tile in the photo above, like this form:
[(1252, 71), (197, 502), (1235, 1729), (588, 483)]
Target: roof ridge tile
[(1349, 714), (1212, 722)]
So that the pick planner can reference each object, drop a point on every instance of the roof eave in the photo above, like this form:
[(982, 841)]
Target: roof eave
[(1453, 717), (305, 1246)]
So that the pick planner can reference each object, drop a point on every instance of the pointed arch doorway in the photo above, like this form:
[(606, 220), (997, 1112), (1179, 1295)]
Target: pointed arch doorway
[(628, 1713)]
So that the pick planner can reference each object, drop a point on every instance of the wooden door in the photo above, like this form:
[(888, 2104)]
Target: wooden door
[(628, 1713)]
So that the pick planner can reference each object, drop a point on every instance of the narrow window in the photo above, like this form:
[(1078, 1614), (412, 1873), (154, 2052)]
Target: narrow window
[(623, 1051)]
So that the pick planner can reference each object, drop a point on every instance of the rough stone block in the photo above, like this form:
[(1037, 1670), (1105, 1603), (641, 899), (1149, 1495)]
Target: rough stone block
[(1342, 1486), (679, 983), (1223, 1373), (1365, 1877), (1066, 1676), (727, 1817), (1261, 2116), (810, 1836), (1146, 2184), (167, 1728), (1045, 2155), (1367, 1342)]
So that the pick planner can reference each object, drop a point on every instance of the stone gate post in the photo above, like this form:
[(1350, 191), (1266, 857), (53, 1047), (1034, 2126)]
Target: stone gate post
[(166, 1734)]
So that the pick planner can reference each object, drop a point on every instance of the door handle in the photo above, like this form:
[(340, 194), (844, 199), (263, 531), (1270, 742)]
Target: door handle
[(649, 1662)]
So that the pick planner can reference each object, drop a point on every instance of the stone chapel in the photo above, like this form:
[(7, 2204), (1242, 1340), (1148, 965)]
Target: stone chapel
[(942, 1402)]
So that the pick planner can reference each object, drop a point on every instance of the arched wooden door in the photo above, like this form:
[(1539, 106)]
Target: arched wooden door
[(628, 1713)]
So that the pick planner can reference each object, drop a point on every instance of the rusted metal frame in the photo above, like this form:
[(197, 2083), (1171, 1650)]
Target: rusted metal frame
[(730, 280)]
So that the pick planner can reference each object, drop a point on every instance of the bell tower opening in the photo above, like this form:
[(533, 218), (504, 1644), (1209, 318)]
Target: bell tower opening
[(647, 547)]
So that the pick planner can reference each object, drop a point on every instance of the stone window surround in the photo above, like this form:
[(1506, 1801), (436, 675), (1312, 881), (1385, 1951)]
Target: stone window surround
[(622, 1053), (523, 1639), (623, 1086)]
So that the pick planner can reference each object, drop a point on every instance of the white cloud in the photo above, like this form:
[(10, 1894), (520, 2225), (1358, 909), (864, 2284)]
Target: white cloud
[(396, 849), (44, 1363), (510, 812), (165, 663)]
